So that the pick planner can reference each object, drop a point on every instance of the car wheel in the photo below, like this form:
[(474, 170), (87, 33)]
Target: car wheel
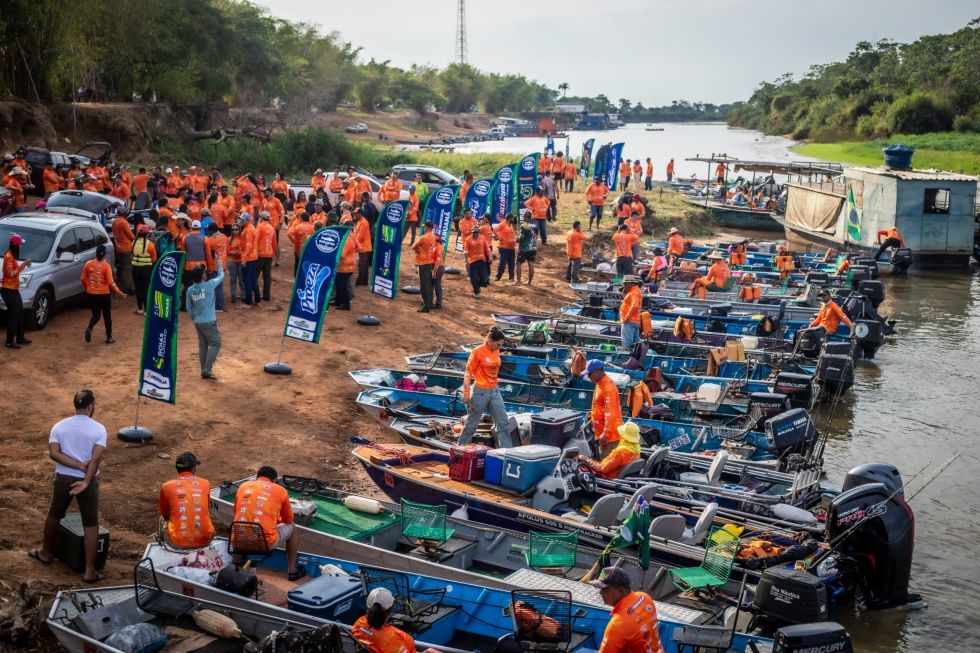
[(43, 309)]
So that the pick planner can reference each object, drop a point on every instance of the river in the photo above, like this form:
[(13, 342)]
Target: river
[(913, 406)]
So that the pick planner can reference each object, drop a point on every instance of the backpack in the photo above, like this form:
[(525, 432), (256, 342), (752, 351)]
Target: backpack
[(164, 242)]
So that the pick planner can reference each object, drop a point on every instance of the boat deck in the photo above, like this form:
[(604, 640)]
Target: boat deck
[(437, 472)]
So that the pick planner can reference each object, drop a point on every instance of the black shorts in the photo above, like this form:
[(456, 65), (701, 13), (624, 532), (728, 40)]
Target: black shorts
[(527, 256), (559, 176), (88, 501)]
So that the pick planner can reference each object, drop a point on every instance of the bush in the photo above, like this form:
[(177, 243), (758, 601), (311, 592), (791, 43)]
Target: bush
[(965, 124), (919, 113)]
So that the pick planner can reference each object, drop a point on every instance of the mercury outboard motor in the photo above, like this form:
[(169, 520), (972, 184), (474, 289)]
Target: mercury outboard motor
[(768, 404), (875, 531), (836, 373), (798, 387), (873, 290), (901, 260), (823, 637)]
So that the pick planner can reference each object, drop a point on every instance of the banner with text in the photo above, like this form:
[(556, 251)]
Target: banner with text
[(158, 367), (612, 168), (314, 280), (527, 178), (503, 192), (439, 209), (601, 159), (478, 197), (388, 248), (550, 145), (583, 168)]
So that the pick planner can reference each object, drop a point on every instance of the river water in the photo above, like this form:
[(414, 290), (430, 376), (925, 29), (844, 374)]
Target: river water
[(914, 406)]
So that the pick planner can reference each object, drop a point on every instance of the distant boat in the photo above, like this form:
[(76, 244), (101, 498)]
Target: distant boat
[(739, 217), (651, 128)]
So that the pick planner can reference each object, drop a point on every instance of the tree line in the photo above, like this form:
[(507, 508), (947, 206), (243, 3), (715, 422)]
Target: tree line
[(676, 111), (883, 88)]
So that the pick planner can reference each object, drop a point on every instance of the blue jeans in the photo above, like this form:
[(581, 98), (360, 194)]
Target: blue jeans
[(476, 271), (630, 333), (219, 294), (482, 400), (542, 227), (237, 277), (251, 289)]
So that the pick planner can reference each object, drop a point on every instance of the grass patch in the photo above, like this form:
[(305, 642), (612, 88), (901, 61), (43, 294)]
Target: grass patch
[(951, 151)]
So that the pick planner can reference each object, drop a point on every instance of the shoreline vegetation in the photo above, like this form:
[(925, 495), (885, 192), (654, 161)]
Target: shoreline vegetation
[(949, 151)]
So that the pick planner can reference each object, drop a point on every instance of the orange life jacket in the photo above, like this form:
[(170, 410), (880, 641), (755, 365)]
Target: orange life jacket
[(684, 329), (646, 324), (749, 293), (532, 623), (639, 394)]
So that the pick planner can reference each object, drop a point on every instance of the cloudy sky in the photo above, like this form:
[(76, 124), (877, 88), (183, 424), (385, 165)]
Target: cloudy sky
[(653, 51)]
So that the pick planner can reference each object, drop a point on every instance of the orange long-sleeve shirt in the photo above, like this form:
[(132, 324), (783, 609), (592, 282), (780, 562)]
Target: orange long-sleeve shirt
[(266, 503), (184, 504), (362, 231), (624, 241), (718, 274), (266, 236), (123, 235), (892, 233), (607, 412), (424, 249), (632, 628), (53, 182), (250, 244), (613, 464), (629, 310), (830, 316)]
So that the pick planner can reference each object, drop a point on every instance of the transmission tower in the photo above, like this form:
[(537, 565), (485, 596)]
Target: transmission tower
[(461, 33)]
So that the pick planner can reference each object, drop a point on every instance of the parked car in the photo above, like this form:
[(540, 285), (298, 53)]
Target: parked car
[(85, 204), (375, 185), (58, 246), (356, 128), (39, 157), (433, 177)]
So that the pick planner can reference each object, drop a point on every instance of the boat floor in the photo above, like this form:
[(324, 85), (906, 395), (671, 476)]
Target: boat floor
[(435, 472)]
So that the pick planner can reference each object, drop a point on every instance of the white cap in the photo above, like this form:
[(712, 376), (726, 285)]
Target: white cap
[(382, 597), (169, 170), (196, 224)]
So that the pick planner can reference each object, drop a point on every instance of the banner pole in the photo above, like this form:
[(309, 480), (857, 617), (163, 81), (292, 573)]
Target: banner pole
[(135, 433), (279, 368)]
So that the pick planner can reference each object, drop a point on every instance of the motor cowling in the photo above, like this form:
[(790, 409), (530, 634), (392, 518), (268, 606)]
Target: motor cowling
[(798, 387), (870, 336), (808, 342), (873, 290), (595, 300), (875, 529), (817, 278), (719, 310), (822, 637), (884, 473), (786, 596), (835, 373), (792, 429), (859, 273), (768, 405), (901, 260)]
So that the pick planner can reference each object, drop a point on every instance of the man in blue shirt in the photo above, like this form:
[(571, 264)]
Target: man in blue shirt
[(200, 306)]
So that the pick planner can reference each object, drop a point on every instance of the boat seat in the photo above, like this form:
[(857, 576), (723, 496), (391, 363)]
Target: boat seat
[(603, 512), (654, 460), (633, 468), (647, 491), (669, 527), (153, 600), (714, 472), (702, 526)]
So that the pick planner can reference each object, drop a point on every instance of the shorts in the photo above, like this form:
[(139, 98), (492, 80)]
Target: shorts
[(88, 501), (527, 256), (283, 533)]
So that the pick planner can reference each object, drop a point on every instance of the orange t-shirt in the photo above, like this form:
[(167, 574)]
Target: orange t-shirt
[(219, 248), (386, 639), (336, 184), (830, 316), (475, 248), (544, 164), (557, 165), (483, 366), (635, 225), (362, 231), (539, 207), (348, 256), (11, 272), (607, 411), (595, 194), (266, 236), (506, 235), (632, 627), (15, 187), (318, 181), (264, 502), (219, 214), (184, 504), (649, 170), (120, 191), (413, 209), (281, 187), (718, 274), (52, 180), (97, 278), (276, 213), (573, 243), (298, 234), (629, 310), (123, 236), (675, 245), (250, 243), (466, 225), (141, 183), (425, 249), (624, 241)]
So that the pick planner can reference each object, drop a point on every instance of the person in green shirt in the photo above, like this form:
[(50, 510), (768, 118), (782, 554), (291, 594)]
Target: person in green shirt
[(421, 189), (527, 248)]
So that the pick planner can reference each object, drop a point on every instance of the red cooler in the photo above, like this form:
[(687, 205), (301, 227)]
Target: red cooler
[(466, 462)]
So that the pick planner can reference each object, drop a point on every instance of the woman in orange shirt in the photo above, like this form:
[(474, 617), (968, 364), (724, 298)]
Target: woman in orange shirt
[(10, 292), (280, 189), (97, 281)]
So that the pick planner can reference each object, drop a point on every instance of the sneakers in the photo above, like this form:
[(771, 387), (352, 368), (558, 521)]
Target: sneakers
[(24, 341), (209, 376), (12, 345), (88, 335), (140, 311), (422, 309), (110, 340)]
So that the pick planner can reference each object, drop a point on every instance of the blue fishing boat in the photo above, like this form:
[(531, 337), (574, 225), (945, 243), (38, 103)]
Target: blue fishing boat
[(739, 217)]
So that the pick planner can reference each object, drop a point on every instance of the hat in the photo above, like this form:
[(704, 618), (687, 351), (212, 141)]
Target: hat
[(244, 217), (411, 187), (205, 211), (318, 203), (143, 229), (629, 432), (629, 278), (475, 230), (196, 224), (267, 189), (823, 293), (611, 577), (382, 596), (183, 216), (429, 223), (16, 170), (187, 460), (593, 365), (193, 167), (100, 250), (16, 240), (318, 171), (674, 230), (169, 170), (715, 256), (7, 156), (264, 215)]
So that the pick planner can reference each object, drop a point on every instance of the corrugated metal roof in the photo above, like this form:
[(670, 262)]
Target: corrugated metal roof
[(916, 175)]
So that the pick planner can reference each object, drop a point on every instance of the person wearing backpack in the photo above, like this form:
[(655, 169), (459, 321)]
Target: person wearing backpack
[(162, 238)]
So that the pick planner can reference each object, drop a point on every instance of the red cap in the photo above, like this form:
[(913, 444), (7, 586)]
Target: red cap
[(16, 240)]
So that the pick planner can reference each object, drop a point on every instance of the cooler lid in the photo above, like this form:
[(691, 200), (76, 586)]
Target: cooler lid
[(533, 452), (498, 453)]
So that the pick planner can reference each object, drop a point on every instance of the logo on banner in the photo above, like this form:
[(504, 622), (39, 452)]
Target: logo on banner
[(444, 195), (327, 241), (168, 273), (388, 233), (315, 276), (528, 163), (505, 175), (163, 304), (481, 188), (395, 213)]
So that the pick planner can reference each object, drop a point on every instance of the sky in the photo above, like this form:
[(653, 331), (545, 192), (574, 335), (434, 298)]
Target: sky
[(652, 51)]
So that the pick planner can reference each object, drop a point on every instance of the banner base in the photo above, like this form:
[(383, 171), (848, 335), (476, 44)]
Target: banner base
[(453, 271), (369, 320), (134, 434), (411, 290), (279, 368)]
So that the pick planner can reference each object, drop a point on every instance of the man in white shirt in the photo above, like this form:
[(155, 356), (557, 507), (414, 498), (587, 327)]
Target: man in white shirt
[(76, 445)]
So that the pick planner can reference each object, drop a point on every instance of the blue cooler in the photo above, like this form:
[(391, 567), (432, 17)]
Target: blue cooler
[(525, 466), (334, 598), (493, 466)]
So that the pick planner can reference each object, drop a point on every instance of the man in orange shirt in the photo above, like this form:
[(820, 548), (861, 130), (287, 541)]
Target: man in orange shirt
[(893, 238), (629, 311), (670, 170), (626, 451), (624, 174), (335, 186), (250, 258), (183, 505), (648, 180), (558, 168), (539, 205), (716, 278), (544, 162), (412, 218), (17, 183), (632, 628), (141, 190), (53, 182), (465, 226), (506, 238), (425, 257), (635, 226), (120, 189), (830, 315), (365, 248), (607, 411), (675, 245), (569, 175), (486, 232), (573, 249), (624, 240), (476, 256), (218, 243), (482, 369), (596, 195), (123, 237), (10, 292), (391, 189), (637, 174), (298, 234), (97, 282), (277, 215), (266, 503), (372, 630), (720, 170), (318, 180), (266, 249), (345, 267)]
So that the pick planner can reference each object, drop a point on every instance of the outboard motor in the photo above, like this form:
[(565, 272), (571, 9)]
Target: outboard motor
[(816, 278), (884, 473), (791, 431), (901, 260), (870, 336), (873, 290), (719, 310), (595, 300), (868, 262), (839, 348), (769, 404), (715, 326), (768, 326), (875, 531), (798, 387), (808, 342), (785, 596), (859, 273), (835, 373), (823, 637), (593, 312), (597, 258)]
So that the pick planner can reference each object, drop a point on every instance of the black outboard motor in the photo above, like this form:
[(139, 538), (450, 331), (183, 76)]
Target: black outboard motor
[(769, 404), (816, 278), (592, 312), (901, 260), (835, 373), (823, 637), (790, 432), (873, 290), (808, 342), (852, 303), (880, 535), (595, 300), (798, 387), (870, 336), (868, 262), (785, 596), (719, 310), (859, 273), (884, 473), (839, 348), (768, 326)]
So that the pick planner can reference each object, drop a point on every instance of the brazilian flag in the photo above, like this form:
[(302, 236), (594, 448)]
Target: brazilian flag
[(853, 217)]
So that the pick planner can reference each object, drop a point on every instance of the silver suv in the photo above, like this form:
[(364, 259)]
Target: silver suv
[(58, 247)]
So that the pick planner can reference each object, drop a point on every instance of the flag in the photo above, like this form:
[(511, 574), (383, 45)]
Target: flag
[(612, 168), (853, 216), (601, 161), (478, 197), (583, 168), (388, 248), (635, 531), (527, 178), (503, 193), (314, 281), (158, 367), (550, 147), (439, 209)]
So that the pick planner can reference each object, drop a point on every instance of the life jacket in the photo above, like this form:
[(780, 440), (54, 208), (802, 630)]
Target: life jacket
[(638, 395), (141, 253), (784, 263), (749, 293), (579, 363), (534, 625), (759, 549), (736, 258), (646, 324), (684, 329)]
